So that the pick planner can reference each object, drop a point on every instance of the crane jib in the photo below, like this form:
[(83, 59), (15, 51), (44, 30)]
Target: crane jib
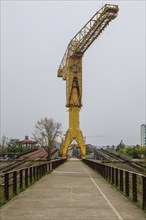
[(86, 36)]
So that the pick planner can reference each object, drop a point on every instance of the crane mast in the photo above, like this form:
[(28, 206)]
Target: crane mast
[(70, 70)]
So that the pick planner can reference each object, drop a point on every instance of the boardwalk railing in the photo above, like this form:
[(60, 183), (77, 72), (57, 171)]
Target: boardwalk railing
[(132, 185), (14, 182)]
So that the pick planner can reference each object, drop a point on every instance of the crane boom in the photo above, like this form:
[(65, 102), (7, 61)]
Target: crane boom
[(86, 36)]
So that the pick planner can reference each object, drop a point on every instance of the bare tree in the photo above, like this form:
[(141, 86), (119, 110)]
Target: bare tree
[(3, 144), (46, 133)]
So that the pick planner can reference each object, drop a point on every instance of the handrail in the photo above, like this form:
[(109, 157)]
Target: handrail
[(13, 182), (131, 184)]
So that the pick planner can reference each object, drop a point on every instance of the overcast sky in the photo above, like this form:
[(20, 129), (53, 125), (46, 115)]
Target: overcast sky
[(34, 37)]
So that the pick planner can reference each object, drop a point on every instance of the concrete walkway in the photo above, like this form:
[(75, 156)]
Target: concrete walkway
[(71, 192)]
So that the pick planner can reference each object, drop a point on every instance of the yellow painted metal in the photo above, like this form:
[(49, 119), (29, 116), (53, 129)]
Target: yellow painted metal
[(73, 133), (87, 35), (74, 82), (70, 70)]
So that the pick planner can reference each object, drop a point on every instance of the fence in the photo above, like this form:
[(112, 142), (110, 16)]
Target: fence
[(15, 181), (132, 185)]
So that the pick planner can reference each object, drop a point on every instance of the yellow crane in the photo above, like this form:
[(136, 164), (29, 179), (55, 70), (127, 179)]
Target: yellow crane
[(70, 70)]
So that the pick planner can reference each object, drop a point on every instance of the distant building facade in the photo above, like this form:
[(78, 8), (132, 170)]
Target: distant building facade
[(27, 142), (143, 135)]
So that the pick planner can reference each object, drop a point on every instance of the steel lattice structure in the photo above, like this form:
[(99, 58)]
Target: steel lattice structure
[(70, 70)]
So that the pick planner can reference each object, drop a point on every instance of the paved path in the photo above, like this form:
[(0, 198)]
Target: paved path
[(71, 192)]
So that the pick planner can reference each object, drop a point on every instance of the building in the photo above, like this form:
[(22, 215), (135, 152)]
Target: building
[(27, 142), (143, 135)]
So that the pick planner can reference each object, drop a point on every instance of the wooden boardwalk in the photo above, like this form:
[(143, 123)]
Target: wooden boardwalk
[(73, 191)]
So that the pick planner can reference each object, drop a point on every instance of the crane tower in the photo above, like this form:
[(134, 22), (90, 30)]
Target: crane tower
[(70, 70)]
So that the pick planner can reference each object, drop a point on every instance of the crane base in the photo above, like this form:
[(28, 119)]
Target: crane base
[(73, 134)]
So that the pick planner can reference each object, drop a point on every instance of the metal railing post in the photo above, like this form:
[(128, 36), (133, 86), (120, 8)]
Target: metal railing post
[(6, 186), (45, 168), (143, 192), (15, 182), (127, 183), (106, 171), (37, 172), (34, 173), (121, 180), (26, 177), (109, 171), (113, 175), (21, 179), (116, 179), (134, 187), (30, 175)]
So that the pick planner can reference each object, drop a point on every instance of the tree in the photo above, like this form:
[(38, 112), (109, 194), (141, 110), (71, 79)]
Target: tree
[(3, 144), (15, 147), (134, 152), (46, 133), (89, 149)]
